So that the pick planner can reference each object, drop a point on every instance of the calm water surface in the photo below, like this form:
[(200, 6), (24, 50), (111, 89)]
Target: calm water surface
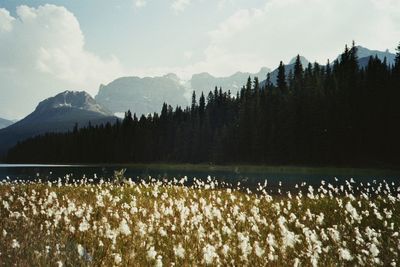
[(248, 179)]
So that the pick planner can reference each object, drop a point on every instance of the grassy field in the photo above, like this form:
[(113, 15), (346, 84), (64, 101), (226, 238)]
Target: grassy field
[(167, 224)]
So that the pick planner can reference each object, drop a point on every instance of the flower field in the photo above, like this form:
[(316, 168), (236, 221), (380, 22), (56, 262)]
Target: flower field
[(167, 223)]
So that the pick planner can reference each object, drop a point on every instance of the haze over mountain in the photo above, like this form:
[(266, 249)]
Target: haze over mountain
[(56, 114), (142, 95), (206, 82), (146, 95), (363, 54), (4, 123)]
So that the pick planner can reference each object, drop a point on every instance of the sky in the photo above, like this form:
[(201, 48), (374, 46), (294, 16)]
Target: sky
[(47, 47)]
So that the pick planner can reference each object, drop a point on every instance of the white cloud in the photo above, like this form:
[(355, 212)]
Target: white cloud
[(179, 5), (223, 3), (279, 30), (140, 3), (5, 20), (43, 52), (188, 54)]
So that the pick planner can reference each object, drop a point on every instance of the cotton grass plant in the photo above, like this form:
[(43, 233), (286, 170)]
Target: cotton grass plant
[(168, 223)]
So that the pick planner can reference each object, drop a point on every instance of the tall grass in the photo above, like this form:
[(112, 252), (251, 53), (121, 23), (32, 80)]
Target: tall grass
[(168, 224)]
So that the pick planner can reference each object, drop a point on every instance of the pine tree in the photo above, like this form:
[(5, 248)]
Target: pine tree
[(397, 58), (268, 83), (281, 79), (194, 102), (256, 84), (298, 69), (202, 106)]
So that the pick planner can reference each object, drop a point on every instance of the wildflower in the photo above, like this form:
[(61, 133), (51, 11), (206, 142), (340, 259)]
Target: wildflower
[(209, 254), (344, 254), (162, 232), (271, 240), (81, 250), (244, 245), (225, 250), (158, 261), (15, 244), (374, 250), (84, 226), (124, 228), (151, 253), (179, 251), (117, 258), (258, 250), (296, 262)]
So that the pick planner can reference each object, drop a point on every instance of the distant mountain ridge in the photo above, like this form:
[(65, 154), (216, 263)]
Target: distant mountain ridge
[(72, 99), (363, 54), (206, 82), (146, 95), (56, 114), (4, 123), (142, 95)]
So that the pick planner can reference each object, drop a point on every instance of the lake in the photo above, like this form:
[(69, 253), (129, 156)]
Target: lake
[(247, 177)]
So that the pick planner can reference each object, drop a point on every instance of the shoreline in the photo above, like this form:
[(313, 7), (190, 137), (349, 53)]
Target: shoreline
[(238, 168)]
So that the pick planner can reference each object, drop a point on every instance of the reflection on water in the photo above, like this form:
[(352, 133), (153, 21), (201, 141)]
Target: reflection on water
[(246, 179)]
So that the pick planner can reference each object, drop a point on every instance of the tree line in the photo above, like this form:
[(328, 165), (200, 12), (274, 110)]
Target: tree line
[(337, 114)]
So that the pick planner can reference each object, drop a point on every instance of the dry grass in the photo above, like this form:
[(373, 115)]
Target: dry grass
[(167, 224)]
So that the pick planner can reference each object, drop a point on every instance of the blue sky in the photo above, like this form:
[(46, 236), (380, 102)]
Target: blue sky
[(50, 46), (153, 35)]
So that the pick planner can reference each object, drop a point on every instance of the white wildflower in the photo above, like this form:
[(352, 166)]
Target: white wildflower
[(179, 251), (84, 226), (81, 250), (209, 254), (117, 258), (244, 245), (124, 228), (225, 250), (258, 250), (15, 244), (374, 250), (151, 253), (344, 254), (158, 261)]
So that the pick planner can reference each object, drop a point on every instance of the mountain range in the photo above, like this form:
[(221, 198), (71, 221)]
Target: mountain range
[(363, 55), (206, 82), (140, 95), (4, 123), (146, 95), (56, 114)]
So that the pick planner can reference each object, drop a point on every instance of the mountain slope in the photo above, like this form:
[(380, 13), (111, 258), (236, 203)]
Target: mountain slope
[(142, 95), (5, 123), (364, 54), (56, 114), (206, 82)]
